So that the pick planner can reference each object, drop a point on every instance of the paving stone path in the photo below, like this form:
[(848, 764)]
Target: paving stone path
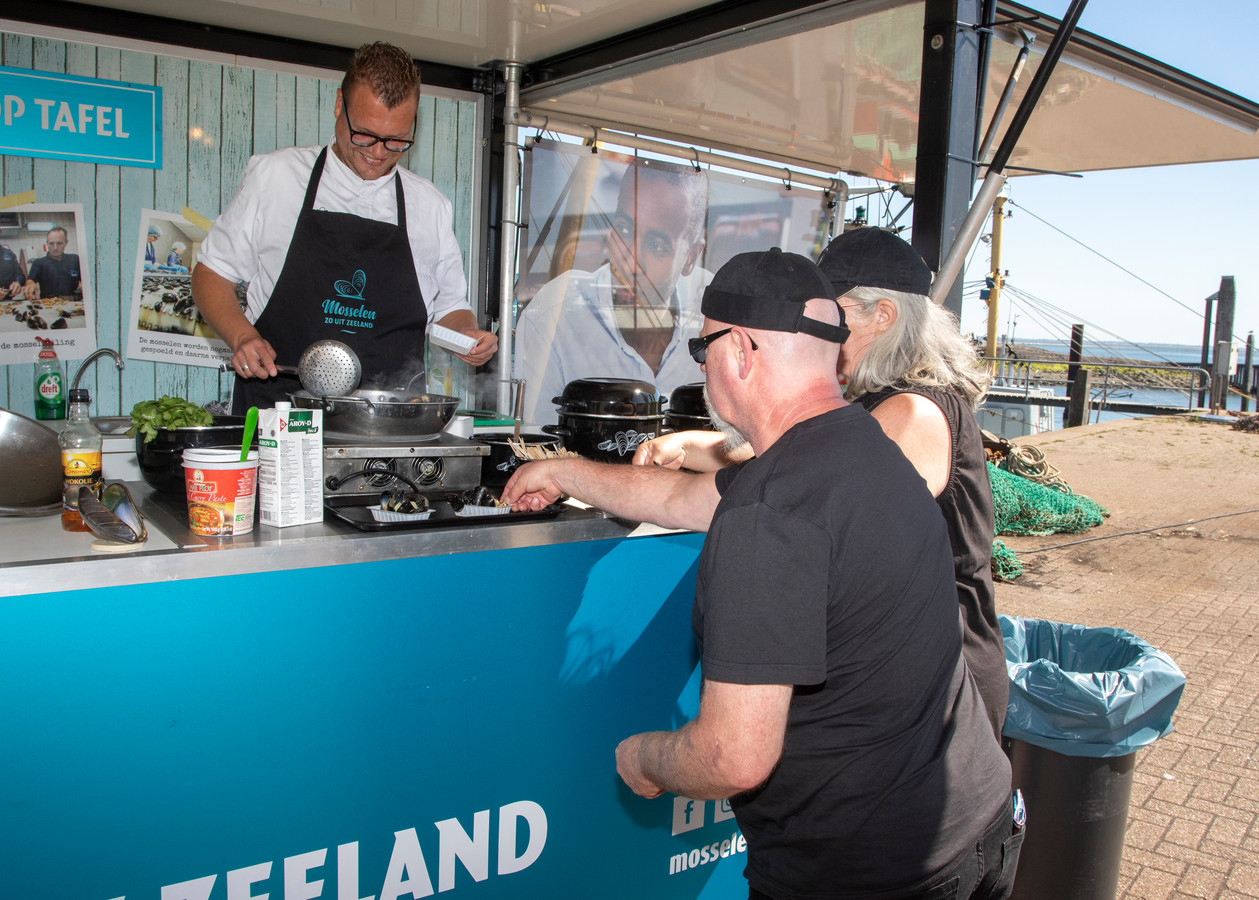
[(1176, 563)]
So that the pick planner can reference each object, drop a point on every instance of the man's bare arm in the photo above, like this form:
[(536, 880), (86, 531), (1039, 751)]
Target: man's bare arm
[(215, 296), (641, 493)]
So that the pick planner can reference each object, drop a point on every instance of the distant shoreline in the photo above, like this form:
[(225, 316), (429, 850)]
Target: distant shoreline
[(1130, 376)]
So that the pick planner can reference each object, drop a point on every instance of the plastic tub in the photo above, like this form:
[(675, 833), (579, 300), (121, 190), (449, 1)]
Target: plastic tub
[(220, 490)]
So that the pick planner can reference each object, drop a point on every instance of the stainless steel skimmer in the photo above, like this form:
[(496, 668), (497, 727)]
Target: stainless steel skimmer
[(326, 369)]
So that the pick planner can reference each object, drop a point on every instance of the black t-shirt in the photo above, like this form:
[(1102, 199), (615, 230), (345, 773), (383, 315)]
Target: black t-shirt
[(827, 566), (10, 271), (56, 277), (966, 503)]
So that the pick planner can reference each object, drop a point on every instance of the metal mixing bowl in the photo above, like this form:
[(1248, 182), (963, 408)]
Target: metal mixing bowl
[(30, 467)]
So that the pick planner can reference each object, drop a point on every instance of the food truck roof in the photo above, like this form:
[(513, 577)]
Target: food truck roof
[(832, 87)]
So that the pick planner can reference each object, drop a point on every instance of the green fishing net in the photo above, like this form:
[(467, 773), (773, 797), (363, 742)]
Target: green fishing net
[(1005, 564), (1022, 506), (1025, 507)]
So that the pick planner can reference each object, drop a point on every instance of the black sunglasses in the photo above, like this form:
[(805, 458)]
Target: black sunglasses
[(699, 346), (367, 139)]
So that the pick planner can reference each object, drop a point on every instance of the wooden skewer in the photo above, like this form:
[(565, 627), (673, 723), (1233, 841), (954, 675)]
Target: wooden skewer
[(523, 450)]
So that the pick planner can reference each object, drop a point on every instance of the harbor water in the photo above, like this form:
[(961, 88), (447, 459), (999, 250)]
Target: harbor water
[(1157, 354)]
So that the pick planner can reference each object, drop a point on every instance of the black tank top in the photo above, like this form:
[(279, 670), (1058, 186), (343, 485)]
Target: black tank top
[(966, 502)]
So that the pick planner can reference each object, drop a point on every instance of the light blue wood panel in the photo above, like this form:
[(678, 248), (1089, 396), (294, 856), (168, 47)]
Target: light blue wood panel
[(19, 176), (50, 174), (80, 187), (115, 238), (285, 111), (265, 102), (170, 194), (136, 193), (309, 128)]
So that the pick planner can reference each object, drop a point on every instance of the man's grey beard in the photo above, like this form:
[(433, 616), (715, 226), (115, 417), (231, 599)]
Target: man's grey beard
[(734, 438)]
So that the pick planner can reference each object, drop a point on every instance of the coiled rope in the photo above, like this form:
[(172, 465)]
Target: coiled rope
[(1030, 462)]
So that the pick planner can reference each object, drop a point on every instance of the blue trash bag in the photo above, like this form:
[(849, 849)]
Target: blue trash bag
[(1080, 691)]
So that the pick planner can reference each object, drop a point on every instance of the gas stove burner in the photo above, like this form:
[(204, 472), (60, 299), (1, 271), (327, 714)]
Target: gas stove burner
[(443, 463)]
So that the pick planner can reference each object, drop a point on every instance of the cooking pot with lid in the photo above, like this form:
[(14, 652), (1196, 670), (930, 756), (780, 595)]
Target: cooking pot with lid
[(687, 409), (606, 419)]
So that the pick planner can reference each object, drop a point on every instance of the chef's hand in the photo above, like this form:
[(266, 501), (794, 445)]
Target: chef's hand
[(254, 357), (10, 291), (667, 451), (630, 770), (532, 487), (486, 347), (31, 290)]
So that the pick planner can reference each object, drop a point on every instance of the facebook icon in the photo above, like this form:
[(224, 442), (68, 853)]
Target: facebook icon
[(688, 814)]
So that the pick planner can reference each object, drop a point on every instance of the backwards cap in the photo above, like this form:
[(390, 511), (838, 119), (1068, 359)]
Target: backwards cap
[(872, 257), (768, 290)]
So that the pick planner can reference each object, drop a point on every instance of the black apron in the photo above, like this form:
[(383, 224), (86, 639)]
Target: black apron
[(348, 279)]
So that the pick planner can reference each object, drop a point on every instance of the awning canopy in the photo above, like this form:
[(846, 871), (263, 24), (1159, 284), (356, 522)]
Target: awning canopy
[(830, 86), (840, 92)]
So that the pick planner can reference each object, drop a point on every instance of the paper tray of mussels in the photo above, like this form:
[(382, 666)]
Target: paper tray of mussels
[(442, 509)]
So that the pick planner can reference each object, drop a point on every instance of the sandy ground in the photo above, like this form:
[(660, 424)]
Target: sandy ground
[(1176, 563)]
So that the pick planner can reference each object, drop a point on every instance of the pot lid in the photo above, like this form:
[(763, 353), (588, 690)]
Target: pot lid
[(615, 396)]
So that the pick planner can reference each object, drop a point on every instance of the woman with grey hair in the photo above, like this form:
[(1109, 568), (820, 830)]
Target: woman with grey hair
[(906, 362)]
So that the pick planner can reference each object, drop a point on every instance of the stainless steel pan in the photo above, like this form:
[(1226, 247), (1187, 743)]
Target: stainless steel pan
[(374, 413)]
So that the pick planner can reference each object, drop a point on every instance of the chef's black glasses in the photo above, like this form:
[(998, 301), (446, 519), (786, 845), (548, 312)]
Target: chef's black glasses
[(699, 346), (367, 139)]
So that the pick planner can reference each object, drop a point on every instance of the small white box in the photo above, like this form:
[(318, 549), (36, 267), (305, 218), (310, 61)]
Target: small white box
[(448, 339), (290, 471)]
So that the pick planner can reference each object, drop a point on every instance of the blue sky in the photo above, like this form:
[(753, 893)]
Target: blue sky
[(1179, 228)]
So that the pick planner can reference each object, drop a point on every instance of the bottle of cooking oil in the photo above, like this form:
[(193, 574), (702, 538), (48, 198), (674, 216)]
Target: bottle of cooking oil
[(80, 459)]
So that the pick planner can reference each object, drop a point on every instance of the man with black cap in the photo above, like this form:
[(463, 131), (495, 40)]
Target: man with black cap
[(836, 712), (908, 364)]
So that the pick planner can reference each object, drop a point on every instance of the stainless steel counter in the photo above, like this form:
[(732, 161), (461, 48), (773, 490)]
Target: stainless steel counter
[(36, 556)]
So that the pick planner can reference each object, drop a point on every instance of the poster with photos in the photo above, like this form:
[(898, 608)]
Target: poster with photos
[(45, 284), (165, 325)]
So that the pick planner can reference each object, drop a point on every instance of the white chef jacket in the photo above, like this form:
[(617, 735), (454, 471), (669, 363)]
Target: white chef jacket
[(567, 331), (250, 239)]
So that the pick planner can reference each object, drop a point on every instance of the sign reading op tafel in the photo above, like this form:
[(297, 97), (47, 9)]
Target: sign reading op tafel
[(56, 116)]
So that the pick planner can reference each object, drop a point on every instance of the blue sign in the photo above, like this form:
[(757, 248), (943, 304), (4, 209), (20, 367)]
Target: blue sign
[(79, 119)]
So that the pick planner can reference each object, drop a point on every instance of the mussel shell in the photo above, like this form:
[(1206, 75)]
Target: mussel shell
[(479, 496), (400, 501), (113, 516)]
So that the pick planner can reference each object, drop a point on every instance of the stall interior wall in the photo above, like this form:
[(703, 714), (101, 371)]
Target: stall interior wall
[(234, 112)]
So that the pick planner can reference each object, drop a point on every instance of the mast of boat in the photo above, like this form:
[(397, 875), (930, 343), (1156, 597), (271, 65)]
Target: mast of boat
[(995, 278)]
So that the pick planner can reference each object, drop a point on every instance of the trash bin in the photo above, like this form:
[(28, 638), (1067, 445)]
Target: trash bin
[(1082, 702)]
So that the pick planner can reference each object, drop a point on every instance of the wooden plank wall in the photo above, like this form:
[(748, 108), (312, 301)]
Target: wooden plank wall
[(215, 117)]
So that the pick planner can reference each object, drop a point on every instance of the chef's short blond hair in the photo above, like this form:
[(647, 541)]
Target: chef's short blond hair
[(389, 71)]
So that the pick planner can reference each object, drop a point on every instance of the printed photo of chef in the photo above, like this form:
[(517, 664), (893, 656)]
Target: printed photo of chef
[(620, 250), (41, 272), (44, 282), (166, 325)]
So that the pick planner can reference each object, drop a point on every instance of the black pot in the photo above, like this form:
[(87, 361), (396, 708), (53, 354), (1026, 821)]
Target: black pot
[(606, 419), (687, 409), (497, 468), (610, 397), (161, 458)]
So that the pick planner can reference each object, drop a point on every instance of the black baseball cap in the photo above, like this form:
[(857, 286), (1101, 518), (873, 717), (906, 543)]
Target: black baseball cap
[(768, 289), (872, 257)]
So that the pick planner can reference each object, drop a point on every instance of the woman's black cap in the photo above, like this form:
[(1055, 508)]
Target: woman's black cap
[(872, 257)]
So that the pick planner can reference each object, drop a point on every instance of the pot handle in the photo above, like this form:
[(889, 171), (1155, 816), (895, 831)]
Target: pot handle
[(328, 401), (558, 430)]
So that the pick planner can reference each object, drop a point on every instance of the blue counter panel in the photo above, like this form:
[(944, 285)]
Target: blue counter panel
[(441, 724)]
